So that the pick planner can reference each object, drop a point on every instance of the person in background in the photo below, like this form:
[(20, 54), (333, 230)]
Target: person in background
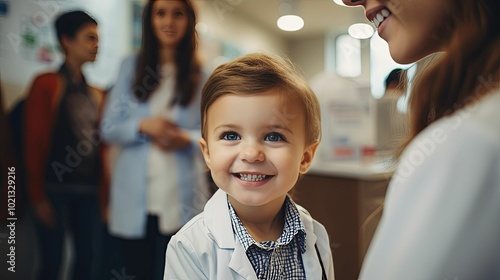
[(8, 158), (65, 161), (441, 212), (394, 83), (153, 114), (260, 130), (391, 119)]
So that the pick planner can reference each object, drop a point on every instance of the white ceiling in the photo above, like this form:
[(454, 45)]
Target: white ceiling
[(320, 16)]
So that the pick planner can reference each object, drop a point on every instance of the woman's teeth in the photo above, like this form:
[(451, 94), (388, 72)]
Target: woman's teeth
[(380, 17), (252, 177)]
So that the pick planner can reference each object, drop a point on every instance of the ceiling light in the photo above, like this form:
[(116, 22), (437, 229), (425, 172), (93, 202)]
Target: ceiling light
[(288, 19), (360, 31), (290, 23), (339, 2)]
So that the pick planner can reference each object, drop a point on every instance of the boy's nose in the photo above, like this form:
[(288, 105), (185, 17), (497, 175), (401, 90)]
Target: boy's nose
[(353, 2), (252, 153)]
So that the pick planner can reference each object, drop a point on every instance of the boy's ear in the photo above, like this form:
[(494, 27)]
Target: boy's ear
[(204, 150), (307, 157)]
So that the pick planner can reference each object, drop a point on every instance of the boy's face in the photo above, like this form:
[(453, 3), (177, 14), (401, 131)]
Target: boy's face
[(255, 146), (84, 46)]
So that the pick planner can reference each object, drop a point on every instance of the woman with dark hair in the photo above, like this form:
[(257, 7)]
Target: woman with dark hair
[(441, 215), (153, 115)]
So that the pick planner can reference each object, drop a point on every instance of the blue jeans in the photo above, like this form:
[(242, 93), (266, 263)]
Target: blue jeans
[(78, 213)]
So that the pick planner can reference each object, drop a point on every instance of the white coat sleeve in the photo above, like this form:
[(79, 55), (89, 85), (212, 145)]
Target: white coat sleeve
[(442, 212)]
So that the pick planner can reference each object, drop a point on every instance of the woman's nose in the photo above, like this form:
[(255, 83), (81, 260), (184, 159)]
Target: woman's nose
[(353, 2), (169, 20)]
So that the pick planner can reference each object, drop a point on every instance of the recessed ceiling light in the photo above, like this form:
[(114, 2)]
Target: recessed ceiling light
[(290, 23), (339, 2)]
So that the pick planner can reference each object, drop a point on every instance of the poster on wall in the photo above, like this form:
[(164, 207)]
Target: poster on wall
[(36, 43)]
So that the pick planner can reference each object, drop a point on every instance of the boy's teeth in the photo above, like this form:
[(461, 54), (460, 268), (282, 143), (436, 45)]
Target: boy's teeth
[(252, 177)]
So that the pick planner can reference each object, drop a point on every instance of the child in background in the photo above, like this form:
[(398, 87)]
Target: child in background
[(260, 130)]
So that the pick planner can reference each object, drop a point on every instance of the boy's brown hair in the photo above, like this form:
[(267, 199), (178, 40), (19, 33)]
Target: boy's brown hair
[(257, 73)]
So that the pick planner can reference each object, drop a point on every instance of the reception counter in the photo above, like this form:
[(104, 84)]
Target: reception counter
[(347, 198)]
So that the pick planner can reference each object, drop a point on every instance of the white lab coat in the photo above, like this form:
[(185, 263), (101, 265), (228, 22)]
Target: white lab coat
[(206, 248), (442, 211)]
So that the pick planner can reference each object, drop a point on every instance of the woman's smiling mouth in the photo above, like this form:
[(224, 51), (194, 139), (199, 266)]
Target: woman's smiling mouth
[(380, 17)]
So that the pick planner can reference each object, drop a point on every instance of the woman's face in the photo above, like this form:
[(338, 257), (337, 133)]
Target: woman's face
[(412, 28), (169, 19)]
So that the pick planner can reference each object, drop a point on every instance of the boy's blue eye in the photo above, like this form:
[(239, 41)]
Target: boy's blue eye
[(230, 136), (274, 137)]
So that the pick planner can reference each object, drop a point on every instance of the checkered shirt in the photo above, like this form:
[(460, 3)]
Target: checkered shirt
[(273, 260)]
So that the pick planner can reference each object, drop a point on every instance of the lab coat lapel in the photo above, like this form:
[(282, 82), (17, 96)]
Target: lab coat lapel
[(218, 221), (221, 229), (310, 257), (241, 265)]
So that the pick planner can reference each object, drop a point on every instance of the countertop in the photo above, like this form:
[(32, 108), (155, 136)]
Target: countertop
[(366, 169)]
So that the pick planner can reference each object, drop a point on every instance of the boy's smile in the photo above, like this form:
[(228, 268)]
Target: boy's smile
[(255, 146)]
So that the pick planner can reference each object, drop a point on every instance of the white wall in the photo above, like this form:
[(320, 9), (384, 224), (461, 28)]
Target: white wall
[(309, 55), (316, 54), (222, 22)]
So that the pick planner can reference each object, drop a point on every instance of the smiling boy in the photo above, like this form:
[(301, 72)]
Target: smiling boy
[(260, 131)]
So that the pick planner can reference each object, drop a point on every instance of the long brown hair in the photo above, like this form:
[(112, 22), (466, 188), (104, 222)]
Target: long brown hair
[(467, 71), (186, 60)]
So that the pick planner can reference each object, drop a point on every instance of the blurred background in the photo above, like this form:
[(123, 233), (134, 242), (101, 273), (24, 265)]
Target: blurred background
[(227, 28)]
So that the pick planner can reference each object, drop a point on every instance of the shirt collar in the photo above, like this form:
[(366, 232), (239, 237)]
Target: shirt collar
[(64, 71), (293, 227)]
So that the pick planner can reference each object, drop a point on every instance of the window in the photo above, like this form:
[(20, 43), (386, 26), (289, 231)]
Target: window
[(381, 64), (347, 56)]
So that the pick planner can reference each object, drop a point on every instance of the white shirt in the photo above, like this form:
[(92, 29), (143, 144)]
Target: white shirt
[(442, 211), (162, 174)]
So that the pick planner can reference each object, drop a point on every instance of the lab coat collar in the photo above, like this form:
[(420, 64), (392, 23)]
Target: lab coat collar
[(241, 264), (309, 258), (218, 222), (219, 225)]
